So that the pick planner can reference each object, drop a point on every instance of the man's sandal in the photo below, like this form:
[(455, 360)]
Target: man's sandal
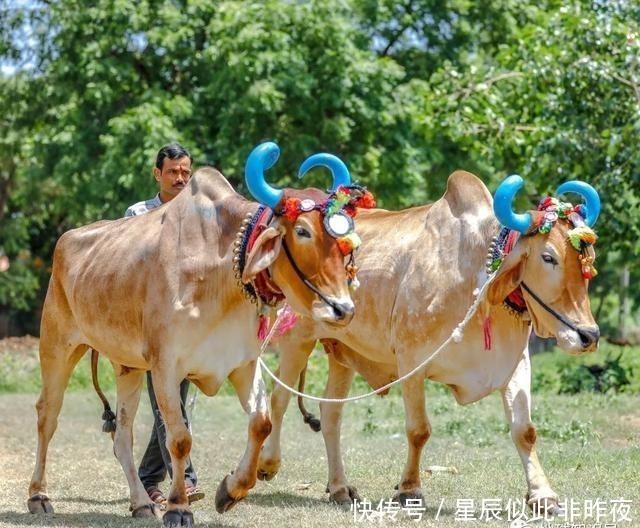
[(194, 493), (157, 496)]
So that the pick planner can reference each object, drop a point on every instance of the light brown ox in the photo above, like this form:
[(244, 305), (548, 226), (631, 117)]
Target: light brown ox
[(418, 269), (157, 292)]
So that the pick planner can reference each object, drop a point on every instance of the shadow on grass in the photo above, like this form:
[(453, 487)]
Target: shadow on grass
[(95, 520), (88, 500), (67, 519), (282, 498), (278, 499)]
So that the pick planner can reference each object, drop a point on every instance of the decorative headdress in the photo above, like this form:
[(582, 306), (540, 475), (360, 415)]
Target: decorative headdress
[(582, 216), (337, 210)]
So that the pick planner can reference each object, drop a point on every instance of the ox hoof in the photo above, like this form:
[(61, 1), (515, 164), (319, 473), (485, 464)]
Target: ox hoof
[(403, 498), (39, 503), (264, 474), (344, 496), (545, 506), (146, 511), (174, 518), (224, 500)]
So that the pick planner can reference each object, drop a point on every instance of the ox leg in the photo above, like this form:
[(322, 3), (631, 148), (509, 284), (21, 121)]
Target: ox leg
[(338, 385), (516, 397), (56, 366), (167, 391), (418, 430), (293, 358), (247, 381), (128, 386)]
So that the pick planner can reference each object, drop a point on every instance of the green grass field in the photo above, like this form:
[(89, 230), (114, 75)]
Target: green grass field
[(589, 444)]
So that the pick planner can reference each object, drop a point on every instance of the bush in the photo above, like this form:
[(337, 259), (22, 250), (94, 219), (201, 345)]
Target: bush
[(611, 369)]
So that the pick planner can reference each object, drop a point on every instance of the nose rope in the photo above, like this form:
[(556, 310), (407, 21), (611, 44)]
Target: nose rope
[(456, 336), (307, 282), (558, 316)]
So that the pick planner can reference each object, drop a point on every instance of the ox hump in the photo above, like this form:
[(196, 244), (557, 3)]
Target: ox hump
[(467, 194), (212, 183)]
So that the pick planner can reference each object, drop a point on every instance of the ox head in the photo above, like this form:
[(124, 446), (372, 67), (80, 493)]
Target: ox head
[(305, 244), (552, 262)]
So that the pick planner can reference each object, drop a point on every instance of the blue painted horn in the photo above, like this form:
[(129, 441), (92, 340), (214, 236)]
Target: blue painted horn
[(589, 195), (263, 157), (337, 167), (503, 205)]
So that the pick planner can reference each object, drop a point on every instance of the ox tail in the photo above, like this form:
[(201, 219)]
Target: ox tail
[(109, 425), (308, 417)]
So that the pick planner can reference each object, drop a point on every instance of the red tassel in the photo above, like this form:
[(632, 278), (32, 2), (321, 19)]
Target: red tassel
[(263, 327), (366, 201), (587, 273), (291, 209), (511, 241), (486, 327), (288, 320)]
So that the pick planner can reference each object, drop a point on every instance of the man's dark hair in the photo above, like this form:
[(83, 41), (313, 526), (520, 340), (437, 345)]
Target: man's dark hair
[(171, 151)]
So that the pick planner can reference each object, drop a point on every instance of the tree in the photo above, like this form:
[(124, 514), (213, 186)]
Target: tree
[(112, 82)]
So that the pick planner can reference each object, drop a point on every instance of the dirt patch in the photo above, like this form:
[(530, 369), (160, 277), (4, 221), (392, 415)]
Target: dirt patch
[(627, 436), (19, 345), (631, 419)]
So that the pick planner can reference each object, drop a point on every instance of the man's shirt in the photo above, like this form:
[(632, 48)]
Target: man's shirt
[(143, 207)]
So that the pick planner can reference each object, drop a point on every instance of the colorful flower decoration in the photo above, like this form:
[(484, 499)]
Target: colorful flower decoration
[(338, 212), (291, 209), (366, 201), (349, 243), (336, 202), (580, 237)]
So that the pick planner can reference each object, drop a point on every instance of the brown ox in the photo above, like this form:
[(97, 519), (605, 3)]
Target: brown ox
[(419, 269), (158, 292)]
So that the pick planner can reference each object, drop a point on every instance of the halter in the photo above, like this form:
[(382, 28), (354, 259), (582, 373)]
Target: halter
[(548, 308), (306, 281), (340, 205), (580, 237)]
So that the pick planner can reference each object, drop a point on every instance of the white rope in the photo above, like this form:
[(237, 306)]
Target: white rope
[(456, 335)]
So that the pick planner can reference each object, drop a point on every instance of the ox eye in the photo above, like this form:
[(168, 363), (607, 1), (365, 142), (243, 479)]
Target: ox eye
[(302, 232), (549, 259)]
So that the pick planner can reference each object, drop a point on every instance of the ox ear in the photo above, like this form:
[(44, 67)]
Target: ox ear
[(509, 275), (264, 252)]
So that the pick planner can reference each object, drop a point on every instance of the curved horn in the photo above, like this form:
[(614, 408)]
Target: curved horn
[(337, 167), (262, 157), (503, 205), (589, 195)]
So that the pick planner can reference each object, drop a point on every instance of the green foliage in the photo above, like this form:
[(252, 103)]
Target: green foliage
[(574, 429), (611, 369), (19, 287)]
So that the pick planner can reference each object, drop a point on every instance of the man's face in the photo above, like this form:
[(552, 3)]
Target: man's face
[(173, 177)]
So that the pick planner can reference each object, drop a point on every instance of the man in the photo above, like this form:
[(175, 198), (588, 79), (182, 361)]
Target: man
[(172, 172)]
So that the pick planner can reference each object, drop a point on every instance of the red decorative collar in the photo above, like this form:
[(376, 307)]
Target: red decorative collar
[(262, 287)]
